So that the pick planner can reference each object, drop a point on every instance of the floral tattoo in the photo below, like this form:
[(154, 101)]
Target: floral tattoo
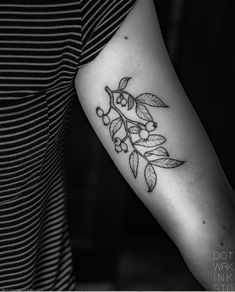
[(140, 136)]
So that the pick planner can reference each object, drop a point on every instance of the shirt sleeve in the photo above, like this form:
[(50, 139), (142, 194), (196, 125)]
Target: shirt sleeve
[(100, 20)]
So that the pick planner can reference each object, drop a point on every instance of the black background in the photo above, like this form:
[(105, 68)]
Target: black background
[(115, 239)]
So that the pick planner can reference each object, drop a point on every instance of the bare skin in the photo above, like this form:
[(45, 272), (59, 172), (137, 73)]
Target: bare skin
[(193, 202)]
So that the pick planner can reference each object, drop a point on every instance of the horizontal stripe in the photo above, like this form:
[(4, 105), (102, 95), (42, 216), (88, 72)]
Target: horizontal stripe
[(33, 14), (40, 21), (42, 46), (32, 6)]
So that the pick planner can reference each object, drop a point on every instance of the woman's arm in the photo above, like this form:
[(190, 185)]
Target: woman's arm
[(131, 94)]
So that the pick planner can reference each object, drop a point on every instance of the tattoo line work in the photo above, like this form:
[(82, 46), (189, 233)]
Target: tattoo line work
[(139, 134)]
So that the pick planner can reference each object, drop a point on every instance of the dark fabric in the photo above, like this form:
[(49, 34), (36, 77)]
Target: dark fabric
[(43, 44), (100, 20)]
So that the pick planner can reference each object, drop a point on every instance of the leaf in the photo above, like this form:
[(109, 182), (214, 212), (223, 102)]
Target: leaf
[(134, 162), (159, 151), (151, 100), (150, 177), (130, 102), (134, 130), (115, 126), (123, 83), (143, 113), (153, 140), (167, 162)]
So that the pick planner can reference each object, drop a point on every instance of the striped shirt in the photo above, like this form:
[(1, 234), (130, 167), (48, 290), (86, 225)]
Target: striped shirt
[(43, 43)]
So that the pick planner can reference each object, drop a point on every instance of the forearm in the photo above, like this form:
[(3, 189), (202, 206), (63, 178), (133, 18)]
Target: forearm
[(212, 258), (203, 229), (192, 201), (206, 235), (182, 184)]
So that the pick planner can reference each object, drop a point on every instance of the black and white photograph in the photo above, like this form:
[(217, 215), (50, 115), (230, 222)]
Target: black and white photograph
[(117, 164)]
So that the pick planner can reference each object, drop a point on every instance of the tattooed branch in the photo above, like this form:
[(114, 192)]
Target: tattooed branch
[(137, 135)]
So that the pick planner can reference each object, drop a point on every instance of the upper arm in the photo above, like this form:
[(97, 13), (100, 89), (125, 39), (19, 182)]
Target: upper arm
[(185, 195)]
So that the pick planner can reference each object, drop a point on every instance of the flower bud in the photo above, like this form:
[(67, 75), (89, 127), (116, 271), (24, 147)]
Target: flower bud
[(117, 141), (151, 126), (144, 134), (118, 99), (123, 102), (99, 112), (106, 120), (118, 148), (124, 147)]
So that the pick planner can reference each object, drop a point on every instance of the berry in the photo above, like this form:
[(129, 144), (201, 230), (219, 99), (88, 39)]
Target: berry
[(124, 147), (106, 120), (118, 148), (144, 134), (123, 102), (118, 100), (117, 141), (151, 126), (99, 112)]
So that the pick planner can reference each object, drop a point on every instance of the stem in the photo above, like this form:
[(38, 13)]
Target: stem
[(108, 110), (121, 91), (135, 123), (124, 119), (124, 139), (112, 105)]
